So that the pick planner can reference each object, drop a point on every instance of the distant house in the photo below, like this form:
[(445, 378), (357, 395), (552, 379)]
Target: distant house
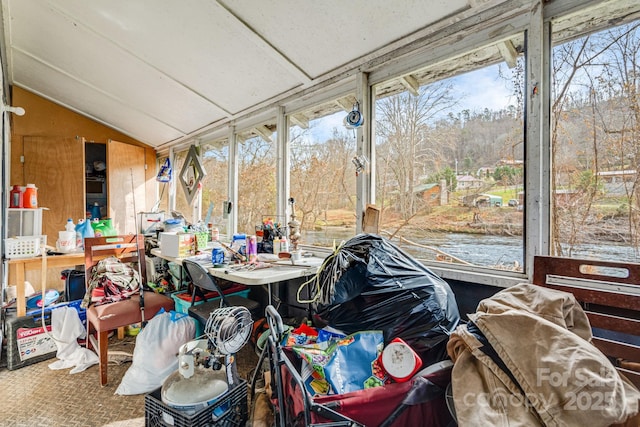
[(466, 182), (628, 175), (431, 194), (481, 200), (565, 197)]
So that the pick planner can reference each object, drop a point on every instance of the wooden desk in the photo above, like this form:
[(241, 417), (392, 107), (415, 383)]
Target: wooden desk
[(21, 265)]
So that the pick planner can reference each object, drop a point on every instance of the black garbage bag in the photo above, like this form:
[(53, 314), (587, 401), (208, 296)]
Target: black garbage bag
[(371, 284)]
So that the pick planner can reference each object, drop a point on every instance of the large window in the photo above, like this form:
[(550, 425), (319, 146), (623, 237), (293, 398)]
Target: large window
[(215, 161), (595, 137), (322, 175), (450, 158), (257, 159)]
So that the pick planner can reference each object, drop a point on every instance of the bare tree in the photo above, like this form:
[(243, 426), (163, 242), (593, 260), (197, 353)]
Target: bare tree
[(409, 145)]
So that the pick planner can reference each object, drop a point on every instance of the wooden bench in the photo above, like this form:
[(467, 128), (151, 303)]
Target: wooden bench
[(609, 293)]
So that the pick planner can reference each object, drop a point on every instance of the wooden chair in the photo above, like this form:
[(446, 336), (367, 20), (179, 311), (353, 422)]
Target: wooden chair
[(116, 315), (609, 292)]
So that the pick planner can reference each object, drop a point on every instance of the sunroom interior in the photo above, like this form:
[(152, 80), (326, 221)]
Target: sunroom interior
[(487, 132)]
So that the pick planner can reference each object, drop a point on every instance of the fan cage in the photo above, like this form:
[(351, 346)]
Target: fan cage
[(229, 329)]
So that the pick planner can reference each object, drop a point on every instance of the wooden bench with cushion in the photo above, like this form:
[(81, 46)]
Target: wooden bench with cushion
[(609, 293)]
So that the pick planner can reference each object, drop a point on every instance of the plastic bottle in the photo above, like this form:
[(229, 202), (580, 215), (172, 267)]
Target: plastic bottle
[(16, 197), (70, 225), (252, 249), (95, 210), (284, 245), (276, 246), (30, 197)]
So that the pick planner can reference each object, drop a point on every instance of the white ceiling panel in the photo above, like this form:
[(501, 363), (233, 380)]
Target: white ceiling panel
[(167, 70), (195, 43), (59, 88), (332, 33)]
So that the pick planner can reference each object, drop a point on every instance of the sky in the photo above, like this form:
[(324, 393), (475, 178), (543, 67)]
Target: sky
[(476, 90)]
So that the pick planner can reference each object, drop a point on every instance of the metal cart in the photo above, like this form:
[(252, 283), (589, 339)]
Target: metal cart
[(420, 401)]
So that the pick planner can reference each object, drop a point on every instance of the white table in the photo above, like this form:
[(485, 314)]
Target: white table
[(280, 271), (277, 272)]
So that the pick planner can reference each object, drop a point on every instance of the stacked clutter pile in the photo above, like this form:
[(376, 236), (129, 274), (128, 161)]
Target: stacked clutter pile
[(386, 315), (371, 284)]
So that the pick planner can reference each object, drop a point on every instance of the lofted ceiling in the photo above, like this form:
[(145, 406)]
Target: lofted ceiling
[(164, 71)]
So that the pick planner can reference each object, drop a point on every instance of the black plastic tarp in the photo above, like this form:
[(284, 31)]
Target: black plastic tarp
[(371, 284)]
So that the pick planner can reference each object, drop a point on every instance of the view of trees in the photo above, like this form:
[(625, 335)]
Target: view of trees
[(434, 135), (595, 139)]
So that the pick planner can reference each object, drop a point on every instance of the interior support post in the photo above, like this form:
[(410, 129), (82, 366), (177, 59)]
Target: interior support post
[(364, 149), (537, 172), (282, 165), (232, 220)]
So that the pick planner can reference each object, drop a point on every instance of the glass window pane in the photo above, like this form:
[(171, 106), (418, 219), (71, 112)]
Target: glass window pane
[(450, 156), (595, 134), (215, 161), (322, 176), (256, 178)]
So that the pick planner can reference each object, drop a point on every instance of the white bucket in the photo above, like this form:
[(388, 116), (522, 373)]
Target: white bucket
[(66, 241)]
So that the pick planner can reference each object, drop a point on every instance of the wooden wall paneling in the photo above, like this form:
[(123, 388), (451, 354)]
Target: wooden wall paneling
[(125, 180), (56, 166)]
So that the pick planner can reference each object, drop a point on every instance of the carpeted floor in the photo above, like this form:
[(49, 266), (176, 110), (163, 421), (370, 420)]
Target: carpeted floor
[(36, 396)]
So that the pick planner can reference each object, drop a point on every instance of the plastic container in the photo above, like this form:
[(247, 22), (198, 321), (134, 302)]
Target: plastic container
[(252, 248), (23, 246), (182, 299), (103, 227), (70, 225), (217, 254), (30, 197), (66, 241), (95, 211), (16, 197)]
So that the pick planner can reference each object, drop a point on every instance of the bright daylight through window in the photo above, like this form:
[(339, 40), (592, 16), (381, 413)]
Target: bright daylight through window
[(450, 158), (322, 175), (256, 177), (215, 160), (595, 139)]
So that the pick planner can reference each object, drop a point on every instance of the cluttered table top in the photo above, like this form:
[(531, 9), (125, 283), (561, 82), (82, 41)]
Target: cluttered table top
[(257, 273), (263, 273)]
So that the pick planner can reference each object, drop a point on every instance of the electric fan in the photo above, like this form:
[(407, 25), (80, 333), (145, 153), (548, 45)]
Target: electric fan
[(200, 379)]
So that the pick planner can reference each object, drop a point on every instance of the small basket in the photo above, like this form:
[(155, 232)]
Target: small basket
[(201, 241), (23, 246)]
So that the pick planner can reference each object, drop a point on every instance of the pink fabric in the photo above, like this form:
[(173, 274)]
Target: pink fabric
[(122, 313)]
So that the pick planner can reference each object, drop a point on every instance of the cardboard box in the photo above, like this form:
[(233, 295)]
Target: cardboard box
[(177, 245)]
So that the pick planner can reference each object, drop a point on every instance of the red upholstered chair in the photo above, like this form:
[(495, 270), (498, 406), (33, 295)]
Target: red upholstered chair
[(116, 315)]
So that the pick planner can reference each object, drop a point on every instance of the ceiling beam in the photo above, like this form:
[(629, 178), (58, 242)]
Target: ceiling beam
[(300, 120), (411, 83), (508, 52), (344, 104), (262, 43), (264, 132)]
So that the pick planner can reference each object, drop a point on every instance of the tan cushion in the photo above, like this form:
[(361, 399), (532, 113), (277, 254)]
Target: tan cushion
[(122, 313)]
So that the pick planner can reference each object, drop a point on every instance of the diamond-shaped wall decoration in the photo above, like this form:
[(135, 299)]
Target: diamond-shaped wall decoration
[(191, 174)]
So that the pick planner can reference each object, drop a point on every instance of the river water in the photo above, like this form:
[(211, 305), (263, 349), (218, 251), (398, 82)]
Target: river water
[(480, 249)]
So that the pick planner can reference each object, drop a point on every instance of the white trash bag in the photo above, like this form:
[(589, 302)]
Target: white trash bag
[(66, 328), (155, 355)]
